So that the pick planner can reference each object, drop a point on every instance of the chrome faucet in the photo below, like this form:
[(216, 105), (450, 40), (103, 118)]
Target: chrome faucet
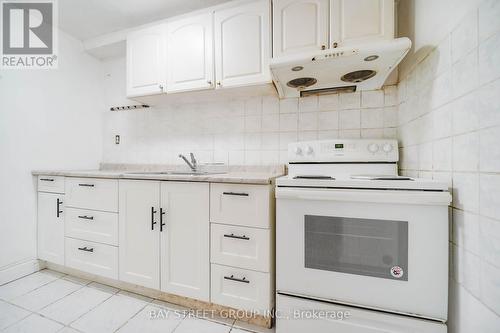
[(193, 164)]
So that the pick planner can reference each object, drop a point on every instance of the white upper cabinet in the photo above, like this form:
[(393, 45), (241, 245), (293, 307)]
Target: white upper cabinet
[(299, 25), (190, 53), (139, 238), (146, 61), (242, 44), (185, 260), (308, 25), (357, 21)]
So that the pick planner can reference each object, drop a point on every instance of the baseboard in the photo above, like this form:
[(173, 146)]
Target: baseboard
[(18, 270)]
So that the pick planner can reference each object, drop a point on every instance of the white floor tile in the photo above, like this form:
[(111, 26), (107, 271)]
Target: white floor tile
[(10, 314), (103, 287), (110, 315), (73, 306), (26, 284), (34, 323), (45, 295), (171, 306), (68, 329), (153, 319), (195, 325), (76, 279)]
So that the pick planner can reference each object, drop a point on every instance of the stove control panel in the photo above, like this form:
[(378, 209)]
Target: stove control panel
[(348, 150)]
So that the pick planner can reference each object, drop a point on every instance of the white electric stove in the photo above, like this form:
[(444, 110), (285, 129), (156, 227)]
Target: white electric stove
[(352, 234)]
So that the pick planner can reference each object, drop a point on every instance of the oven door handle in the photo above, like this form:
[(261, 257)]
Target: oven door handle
[(366, 195)]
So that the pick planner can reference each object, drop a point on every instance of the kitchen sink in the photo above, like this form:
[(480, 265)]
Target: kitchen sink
[(187, 173)]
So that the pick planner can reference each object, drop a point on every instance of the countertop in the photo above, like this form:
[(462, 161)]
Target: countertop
[(262, 176)]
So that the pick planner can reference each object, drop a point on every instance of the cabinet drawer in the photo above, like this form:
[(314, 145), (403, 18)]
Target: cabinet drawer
[(92, 225), (241, 288), (92, 257), (247, 205), (91, 193), (54, 184), (241, 247)]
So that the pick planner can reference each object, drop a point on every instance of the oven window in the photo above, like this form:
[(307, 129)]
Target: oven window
[(377, 248)]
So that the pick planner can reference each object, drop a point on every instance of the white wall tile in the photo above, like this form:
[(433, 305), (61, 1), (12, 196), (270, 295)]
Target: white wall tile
[(490, 195), (466, 230), (442, 121), (270, 105), (286, 138), (372, 99), (308, 121), (329, 102), (390, 95), (489, 240), (350, 100), (488, 100), (466, 152), (289, 105), (442, 154), (490, 286), (465, 74), (489, 150), (372, 118), (328, 120), (308, 104), (489, 12), (327, 135), (372, 133), (350, 119), (288, 122), (270, 123), (253, 106), (425, 156), (253, 123), (390, 116), (350, 134), (466, 191), (464, 37), (489, 59), (465, 114), (467, 267), (270, 141)]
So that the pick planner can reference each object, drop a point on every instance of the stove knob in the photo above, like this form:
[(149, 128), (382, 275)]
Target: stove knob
[(309, 150), (373, 148), (298, 151), (387, 148)]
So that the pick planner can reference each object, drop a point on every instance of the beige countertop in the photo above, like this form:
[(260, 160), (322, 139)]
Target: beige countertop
[(262, 176)]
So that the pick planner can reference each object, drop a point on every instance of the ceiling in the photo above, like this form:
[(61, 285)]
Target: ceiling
[(91, 18)]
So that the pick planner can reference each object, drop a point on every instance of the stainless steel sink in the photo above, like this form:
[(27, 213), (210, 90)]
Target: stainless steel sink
[(186, 173)]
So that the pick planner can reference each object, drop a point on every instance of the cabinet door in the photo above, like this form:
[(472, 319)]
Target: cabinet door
[(358, 21), (242, 45), (190, 53), (185, 239), (51, 227), (299, 25), (146, 61), (139, 237)]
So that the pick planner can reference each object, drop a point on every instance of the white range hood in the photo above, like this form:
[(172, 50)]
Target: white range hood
[(352, 68)]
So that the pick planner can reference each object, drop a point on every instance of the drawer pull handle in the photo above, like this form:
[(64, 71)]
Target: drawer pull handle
[(86, 249), (85, 217), (232, 278), (47, 179), (58, 210), (161, 219), (86, 185), (153, 222), (237, 237), (236, 193)]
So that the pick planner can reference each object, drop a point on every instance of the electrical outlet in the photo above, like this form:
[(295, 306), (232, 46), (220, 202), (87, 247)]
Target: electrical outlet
[(117, 139)]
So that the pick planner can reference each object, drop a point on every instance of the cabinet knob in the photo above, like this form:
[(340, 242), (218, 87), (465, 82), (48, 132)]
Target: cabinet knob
[(323, 47), (209, 82), (219, 84), (335, 44)]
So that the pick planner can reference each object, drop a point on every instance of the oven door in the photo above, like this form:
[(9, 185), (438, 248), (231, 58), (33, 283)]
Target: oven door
[(379, 249)]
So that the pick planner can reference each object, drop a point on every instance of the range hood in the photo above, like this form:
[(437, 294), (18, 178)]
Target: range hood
[(352, 68)]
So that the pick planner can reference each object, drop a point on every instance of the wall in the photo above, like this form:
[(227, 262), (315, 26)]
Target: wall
[(48, 119), (449, 129), (239, 131)]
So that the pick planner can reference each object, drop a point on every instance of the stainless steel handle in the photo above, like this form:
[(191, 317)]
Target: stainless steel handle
[(153, 222), (86, 185), (47, 179), (241, 194), (85, 217), (237, 237), (161, 219), (86, 249), (232, 278), (58, 204)]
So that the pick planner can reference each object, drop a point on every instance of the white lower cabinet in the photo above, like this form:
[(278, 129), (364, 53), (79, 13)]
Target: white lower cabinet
[(164, 232), (91, 257), (51, 227), (241, 289), (91, 225), (139, 237)]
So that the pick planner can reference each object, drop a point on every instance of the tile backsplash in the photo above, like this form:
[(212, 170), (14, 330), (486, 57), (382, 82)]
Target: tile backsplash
[(246, 131), (449, 129)]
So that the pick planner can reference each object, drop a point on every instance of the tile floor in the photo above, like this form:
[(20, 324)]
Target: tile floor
[(48, 301)]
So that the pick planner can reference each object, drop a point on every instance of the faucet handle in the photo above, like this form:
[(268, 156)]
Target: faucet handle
[(193, 160)]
